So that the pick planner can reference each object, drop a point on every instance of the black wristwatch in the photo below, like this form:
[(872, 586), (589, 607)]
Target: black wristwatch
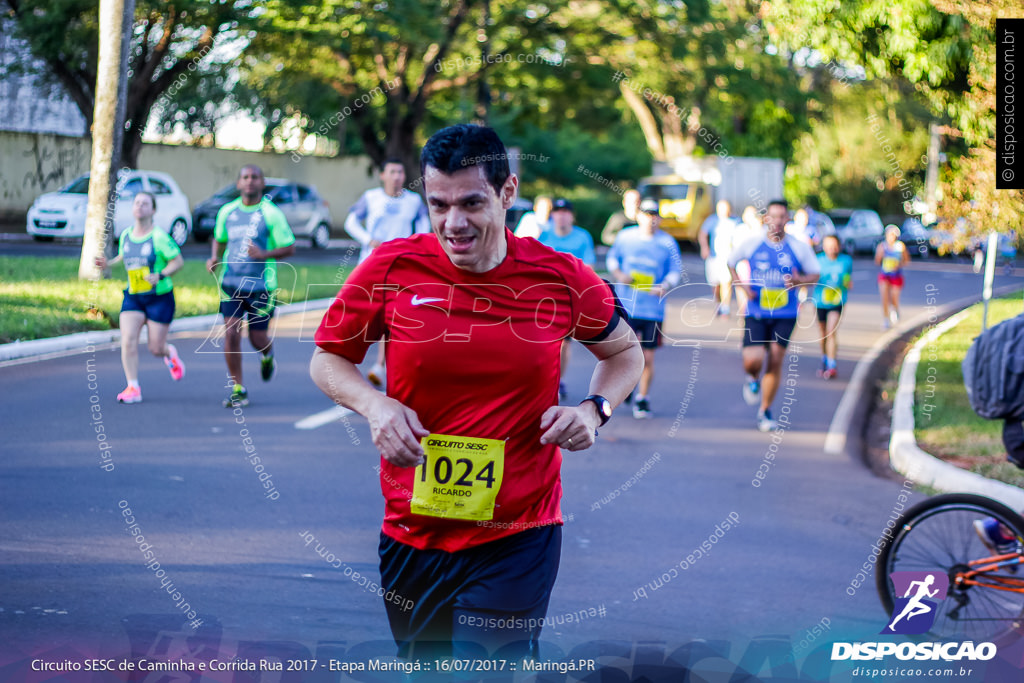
[(604, 407)]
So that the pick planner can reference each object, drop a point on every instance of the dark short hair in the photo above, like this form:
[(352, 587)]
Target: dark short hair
[(392, 160), (778, 202), (463, 145), (254, 167), (151, 196)]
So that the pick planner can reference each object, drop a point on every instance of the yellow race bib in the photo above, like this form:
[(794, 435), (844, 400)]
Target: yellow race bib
[(772, 299), (831, 296), (890, 264), (460, 477), (641, 281), (137, 282)]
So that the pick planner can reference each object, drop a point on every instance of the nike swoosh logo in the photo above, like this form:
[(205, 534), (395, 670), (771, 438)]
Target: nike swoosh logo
[(416, 300)]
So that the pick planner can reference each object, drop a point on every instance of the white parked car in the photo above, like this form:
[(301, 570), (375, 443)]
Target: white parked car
[(62, 213)]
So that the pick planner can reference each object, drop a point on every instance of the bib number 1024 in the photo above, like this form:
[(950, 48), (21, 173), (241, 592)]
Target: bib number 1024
[(459, 478), (444, 470)]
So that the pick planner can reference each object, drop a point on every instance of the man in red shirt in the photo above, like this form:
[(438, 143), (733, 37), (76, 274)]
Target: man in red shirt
[(469, 431)]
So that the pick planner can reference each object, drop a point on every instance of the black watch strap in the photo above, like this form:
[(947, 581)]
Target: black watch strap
[(603, 405)]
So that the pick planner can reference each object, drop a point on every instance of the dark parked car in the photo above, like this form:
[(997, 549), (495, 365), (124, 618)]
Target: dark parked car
[(916, 236), (308, 215), (858, 230)]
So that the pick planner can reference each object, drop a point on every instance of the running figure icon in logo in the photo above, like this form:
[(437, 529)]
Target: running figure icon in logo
[(914, 609)]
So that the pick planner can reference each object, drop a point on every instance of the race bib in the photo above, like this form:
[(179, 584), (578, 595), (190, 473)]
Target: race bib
[(460, 477), (641, 281), (831, 296), (137, 282), (890, 264), (772, 299)]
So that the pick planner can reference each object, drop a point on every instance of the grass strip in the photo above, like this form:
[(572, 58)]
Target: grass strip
[(945, 424), (42, 297)]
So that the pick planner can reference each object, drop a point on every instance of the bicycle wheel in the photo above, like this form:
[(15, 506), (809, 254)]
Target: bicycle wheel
[(938, 534)]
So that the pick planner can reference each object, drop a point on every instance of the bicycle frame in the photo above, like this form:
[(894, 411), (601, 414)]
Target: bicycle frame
[(978, 575)]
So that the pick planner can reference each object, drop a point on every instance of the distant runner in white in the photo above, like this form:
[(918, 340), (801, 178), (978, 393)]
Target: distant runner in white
[(383, 214)]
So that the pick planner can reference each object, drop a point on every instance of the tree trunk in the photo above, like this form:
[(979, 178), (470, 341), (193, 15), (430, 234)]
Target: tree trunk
[(402, 144), (483, 91), (116, 17)]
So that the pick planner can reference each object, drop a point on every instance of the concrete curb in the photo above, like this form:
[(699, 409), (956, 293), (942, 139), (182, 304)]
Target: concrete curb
[(922, 467), (846, 431), (81, 340)]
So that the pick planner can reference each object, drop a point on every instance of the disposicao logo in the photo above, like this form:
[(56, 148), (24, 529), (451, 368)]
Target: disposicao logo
[(914, 613)]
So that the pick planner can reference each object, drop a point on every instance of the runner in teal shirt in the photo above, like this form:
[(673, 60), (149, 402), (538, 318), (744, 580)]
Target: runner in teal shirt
[(834, 283)]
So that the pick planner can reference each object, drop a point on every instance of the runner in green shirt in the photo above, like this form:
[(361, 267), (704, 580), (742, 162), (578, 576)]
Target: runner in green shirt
[(254, 233), (150, 256)]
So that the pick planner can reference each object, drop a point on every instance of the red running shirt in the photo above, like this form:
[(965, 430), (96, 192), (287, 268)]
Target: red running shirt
[(474, 355)]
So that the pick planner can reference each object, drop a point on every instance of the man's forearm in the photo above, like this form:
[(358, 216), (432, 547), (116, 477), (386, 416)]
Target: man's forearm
[(281, 252), (615, 376), (805, 279), (356, 230), (341, 380)]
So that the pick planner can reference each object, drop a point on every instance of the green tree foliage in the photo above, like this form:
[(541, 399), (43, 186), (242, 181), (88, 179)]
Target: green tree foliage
[(696, 74), (946, 50), (591, 168), (169, 42), (379, 64), (864, 149)]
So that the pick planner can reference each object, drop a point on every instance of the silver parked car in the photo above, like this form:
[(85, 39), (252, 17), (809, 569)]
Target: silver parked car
[(308, 214), (858, 230), (62, 213)]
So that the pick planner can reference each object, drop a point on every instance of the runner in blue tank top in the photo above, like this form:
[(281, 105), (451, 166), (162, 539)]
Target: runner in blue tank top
[(779, 265)]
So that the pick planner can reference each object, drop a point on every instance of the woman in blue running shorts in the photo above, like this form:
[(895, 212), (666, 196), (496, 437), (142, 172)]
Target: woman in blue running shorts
[(150, 256)]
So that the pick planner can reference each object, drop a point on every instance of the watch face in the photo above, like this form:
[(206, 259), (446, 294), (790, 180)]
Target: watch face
[(604, 407)]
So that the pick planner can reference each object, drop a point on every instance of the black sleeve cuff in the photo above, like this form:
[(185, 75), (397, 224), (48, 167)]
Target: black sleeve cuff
[(618, 314)]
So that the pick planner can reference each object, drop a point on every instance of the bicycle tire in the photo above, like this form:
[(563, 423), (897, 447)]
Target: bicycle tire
[(938, 533)]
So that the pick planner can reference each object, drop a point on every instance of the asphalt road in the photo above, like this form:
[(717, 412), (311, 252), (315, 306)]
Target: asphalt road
[(639, 505)]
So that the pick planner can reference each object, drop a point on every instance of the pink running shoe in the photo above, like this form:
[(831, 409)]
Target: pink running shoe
[(174, 364), (130, 395)]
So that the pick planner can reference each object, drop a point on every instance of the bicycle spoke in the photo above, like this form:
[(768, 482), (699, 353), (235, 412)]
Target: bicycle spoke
[(941, 536)]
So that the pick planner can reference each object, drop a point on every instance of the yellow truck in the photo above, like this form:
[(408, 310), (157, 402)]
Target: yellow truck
[(683, 204), (684, 201)]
